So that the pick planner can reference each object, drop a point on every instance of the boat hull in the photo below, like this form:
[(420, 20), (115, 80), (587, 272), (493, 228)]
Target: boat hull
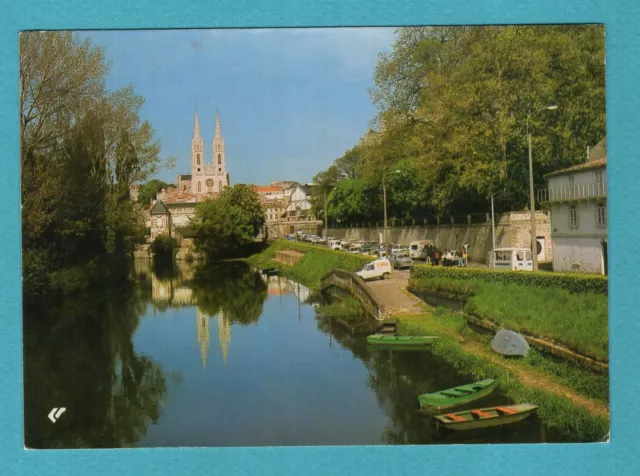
[(400, 341), (523, 411), (436, 401)]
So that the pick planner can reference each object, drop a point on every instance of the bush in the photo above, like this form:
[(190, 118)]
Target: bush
[(164, 248), (575, 283)]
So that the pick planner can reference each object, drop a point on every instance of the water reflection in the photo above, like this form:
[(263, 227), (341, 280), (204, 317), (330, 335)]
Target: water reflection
[(136, 366)]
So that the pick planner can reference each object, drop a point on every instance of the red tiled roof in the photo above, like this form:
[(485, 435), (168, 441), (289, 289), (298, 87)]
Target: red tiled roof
[(259, 189), (596, 164)]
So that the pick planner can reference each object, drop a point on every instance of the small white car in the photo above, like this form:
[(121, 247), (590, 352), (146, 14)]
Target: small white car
[(378, 269)]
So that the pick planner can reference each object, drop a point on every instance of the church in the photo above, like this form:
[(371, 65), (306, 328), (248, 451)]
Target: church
[(205, 179), (174, 207)]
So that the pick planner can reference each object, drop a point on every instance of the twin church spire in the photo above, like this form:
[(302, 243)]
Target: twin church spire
[(207, 178)]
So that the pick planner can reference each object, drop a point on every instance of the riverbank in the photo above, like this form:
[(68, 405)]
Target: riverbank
[(578, 321), (316, 262), (559, 406)]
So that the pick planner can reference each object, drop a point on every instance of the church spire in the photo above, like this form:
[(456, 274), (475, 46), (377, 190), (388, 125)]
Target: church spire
[(218, 133), (196, 129)]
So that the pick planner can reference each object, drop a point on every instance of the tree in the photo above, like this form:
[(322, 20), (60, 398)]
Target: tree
[(457, 100), (226, 224), (150, 190), (81, 148), (354, 200)]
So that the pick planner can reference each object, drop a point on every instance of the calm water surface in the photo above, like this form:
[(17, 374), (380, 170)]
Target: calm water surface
[(226, 357)]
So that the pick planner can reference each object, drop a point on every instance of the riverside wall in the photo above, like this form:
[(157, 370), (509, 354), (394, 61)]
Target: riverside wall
[(513, 230)]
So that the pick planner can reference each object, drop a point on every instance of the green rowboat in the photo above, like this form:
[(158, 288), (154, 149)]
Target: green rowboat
[(456, 396), (485, 417), (393, 341)]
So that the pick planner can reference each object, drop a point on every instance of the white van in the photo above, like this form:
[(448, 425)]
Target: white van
[(380, 268), (514, 259), (334, 245), (416, 247), (398, 248)]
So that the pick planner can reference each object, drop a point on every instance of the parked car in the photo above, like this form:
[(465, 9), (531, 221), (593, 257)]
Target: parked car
[(378, 269), (401, 260), (398, 248)]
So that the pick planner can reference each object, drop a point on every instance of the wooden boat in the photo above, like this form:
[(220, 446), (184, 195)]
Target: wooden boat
[(456, 396), (391, 340), (485, 417), (510, 343)]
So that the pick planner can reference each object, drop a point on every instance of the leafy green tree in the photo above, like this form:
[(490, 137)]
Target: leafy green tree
[(226, 224), (354, 200), (149, 190)]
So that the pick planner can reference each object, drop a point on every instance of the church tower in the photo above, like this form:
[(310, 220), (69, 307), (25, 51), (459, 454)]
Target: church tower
[(220, 177), (197, 160)]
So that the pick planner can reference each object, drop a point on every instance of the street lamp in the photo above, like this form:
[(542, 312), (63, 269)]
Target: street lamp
[(384, 197), (534, 242), (325, 218)]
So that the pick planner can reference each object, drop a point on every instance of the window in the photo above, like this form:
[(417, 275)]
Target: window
[(198, 159), (219, 159), (199, 187), (599, 178), (520, 256), (574, 217), (601, 215)]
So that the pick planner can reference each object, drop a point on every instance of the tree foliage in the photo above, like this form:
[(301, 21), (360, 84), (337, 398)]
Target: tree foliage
[(82, 146), (227, 223), (455, 102)]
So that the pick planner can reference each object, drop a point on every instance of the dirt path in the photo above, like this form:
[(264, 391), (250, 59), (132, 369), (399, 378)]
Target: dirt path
[(397, 300)]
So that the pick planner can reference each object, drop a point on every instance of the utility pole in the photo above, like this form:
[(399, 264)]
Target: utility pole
[(493, 226), (325, 218), (534, 242), (384, 198)]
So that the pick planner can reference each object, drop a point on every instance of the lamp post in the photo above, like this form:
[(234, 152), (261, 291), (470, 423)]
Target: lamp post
[(534, 242), (325, 218), (384, 198)]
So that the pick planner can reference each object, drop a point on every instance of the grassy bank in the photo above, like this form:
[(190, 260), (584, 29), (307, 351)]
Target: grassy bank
[(315, 263), (576, 320), (456, 345)]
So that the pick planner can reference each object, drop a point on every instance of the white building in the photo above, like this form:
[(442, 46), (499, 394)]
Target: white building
[(577, 199)]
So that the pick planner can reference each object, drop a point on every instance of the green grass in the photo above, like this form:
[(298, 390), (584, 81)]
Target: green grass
[(557, 411), (578, 321), (316, 262), (348, 309)]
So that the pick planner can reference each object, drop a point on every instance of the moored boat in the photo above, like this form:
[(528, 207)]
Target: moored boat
[(391, 340), (271, 271), (485, 417), (456, 396)]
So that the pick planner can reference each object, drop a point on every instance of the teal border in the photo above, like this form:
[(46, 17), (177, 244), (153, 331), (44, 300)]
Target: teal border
[(621, 18)]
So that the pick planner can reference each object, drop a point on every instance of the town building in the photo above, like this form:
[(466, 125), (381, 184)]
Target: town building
[(577, 199)]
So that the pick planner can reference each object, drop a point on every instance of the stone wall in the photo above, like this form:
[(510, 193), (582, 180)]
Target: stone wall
[(512, 231)]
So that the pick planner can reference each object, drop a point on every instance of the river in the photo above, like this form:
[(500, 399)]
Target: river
[(225, 357)]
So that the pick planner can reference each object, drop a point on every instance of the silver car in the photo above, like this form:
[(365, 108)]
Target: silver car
[(401, 260)]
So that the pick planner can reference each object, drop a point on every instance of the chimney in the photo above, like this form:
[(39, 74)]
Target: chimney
[(588, 153)]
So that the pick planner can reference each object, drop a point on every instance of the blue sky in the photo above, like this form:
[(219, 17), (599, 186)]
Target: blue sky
[(290, 100)]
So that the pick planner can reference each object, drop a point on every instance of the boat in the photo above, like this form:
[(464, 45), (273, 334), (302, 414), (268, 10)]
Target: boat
[(457, 395), (485, 417), (391, 340), (510, 343)]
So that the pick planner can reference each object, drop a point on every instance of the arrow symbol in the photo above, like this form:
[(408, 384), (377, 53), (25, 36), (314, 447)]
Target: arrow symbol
[(55, 413)]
